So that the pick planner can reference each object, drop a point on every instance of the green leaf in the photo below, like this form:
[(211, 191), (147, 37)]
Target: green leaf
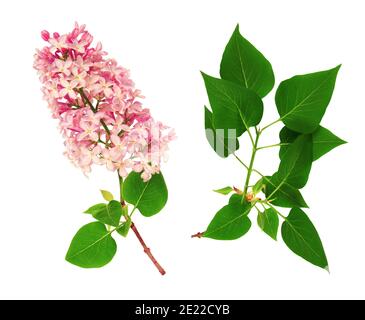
[(111, 215), (268, 221), (223, 141), (323, 141), (296, 164), (259, 185), (285, 195), (287, 136), (301, 237), (95, 209), (233, 106), (230, 222), (92, 247), (302, 100), (225, 190), (148, 197), (243, 64), (237, 198), (107, 195), (124, 228)]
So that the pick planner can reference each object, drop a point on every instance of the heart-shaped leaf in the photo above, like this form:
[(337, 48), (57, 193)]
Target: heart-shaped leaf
[(92, 247), (268, 221), (243, 64), (302, 100), (148, 197), (323, 141), (230, 222), (233, 106), (300, 235)]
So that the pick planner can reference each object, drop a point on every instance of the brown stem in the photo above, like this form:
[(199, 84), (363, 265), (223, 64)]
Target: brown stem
[(198, 235), (136, 232), (147, 250)]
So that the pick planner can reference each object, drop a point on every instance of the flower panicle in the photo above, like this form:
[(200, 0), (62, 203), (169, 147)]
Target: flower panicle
[(100, 113)]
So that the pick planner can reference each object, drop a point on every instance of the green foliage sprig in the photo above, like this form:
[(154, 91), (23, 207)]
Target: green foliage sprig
[(237, 107), (93, 245)]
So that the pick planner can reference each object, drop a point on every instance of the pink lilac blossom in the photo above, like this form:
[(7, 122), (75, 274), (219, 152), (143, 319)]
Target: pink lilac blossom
[(100, 114)]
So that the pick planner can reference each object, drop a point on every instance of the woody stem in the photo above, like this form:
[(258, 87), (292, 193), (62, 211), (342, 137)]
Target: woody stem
[(146, 249)]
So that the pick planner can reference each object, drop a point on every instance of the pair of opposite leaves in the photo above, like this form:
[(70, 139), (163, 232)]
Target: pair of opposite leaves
[(236, 104)]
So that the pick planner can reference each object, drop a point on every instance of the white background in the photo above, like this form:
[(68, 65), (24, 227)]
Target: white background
[(165, 44)]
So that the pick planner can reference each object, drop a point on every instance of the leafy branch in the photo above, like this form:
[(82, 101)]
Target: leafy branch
[(93, 245), (236, 105)]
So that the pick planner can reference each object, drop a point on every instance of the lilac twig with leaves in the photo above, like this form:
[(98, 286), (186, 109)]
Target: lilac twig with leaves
[(246, 77), (103, 122)]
